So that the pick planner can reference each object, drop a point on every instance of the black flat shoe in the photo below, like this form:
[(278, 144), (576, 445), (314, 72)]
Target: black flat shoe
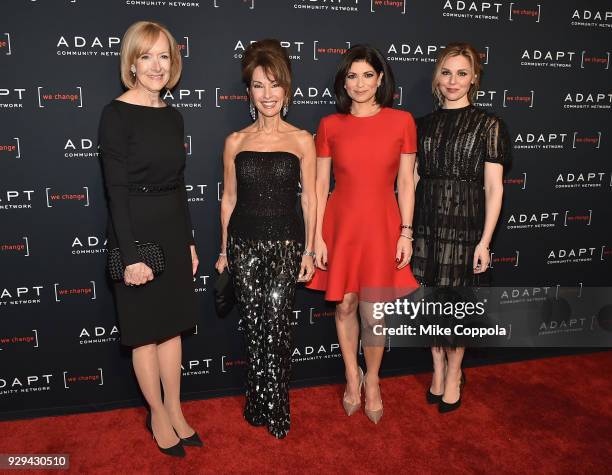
[(191, 441), (445, 407), (175, 451), (432, 398)]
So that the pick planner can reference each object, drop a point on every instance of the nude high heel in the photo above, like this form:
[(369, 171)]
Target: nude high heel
[(349, 408), (374, 416)]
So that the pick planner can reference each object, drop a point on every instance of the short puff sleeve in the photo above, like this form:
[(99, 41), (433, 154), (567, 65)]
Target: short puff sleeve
[(321, 140), (498, 148), (409, 137)]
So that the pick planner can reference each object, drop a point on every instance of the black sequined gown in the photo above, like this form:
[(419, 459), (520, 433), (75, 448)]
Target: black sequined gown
[(265, 243), (453, 146)]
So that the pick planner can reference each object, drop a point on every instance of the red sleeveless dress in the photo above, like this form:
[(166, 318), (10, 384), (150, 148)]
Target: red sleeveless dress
[(362, 220)]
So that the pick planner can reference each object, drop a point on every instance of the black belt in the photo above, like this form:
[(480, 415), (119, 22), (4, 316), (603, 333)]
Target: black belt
[(152, 188)]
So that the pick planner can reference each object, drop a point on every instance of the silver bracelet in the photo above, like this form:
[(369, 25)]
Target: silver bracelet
[(222, 254), (309, 253), (410, 238)]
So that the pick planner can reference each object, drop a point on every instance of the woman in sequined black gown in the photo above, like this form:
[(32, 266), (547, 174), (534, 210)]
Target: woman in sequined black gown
[(264, 243), (460, 159)]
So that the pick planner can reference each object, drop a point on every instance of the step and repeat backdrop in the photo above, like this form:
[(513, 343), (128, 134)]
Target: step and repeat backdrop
[(547, 74)]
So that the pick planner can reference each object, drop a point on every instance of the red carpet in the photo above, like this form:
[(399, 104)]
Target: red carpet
[(540, 416)]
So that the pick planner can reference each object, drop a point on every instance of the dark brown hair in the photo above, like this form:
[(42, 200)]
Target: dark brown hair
[(369, 54), (273, 58), (458, 49)]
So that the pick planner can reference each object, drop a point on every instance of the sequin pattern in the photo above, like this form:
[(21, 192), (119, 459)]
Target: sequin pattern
[(265, 275)]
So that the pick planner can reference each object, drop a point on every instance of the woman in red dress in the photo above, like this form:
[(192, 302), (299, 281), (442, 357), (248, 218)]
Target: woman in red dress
[(363, 233)]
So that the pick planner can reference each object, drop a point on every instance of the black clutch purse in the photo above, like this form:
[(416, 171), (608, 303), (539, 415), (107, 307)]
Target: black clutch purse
[(225, 298), (150, 253)]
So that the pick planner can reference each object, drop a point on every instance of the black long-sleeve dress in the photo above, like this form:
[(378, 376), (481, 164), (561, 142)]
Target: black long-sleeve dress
[(143, 158)]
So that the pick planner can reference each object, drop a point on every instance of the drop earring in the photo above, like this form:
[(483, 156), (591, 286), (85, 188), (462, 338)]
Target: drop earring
[(133, 70), (252, 111), (285, 109)]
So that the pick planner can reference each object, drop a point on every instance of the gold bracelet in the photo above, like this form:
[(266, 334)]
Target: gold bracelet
[(410, 238)]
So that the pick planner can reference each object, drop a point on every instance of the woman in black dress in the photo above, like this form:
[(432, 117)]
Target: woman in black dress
[(143, 158), (266, 246), (460, 159)]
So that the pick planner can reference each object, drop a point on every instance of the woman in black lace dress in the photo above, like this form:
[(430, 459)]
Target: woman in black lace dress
[(267, 248), (461, 154)]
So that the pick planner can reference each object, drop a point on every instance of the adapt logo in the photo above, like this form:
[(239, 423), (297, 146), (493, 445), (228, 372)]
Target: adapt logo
[(539, 220), (492, 11), (88, 46), (197, 367), (310, 95), (315, 352), (588, 179), (55, 198), (571, 255), (201, 284), (549, 59), (80, 148), (587, 100), (592, 18), (88, 245), (16, 199), (161, 4), (24, 295), (10, 385), (98, 334), (196, 193), (10, 148), (327, 6), (413, 52), (47, 97), (12, 98), (295, 49), (185, 98), (5, 45)]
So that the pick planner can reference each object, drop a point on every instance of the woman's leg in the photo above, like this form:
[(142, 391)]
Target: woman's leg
[(373, 349), (282, 261), (439, 370), (146, 367), (169, 357), (246, 268), (453, 374), (347, 328)]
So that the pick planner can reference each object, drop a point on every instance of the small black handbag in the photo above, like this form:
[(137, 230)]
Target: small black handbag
[(225, 297), (150, 253)]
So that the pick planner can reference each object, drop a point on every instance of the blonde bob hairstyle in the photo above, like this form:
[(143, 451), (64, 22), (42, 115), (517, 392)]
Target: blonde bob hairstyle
[(457, 49), (140, 38)]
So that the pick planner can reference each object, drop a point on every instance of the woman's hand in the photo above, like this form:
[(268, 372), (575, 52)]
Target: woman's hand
[(137, 274), (320, 249), (221, 264), (194, 260), (482, 258), (403, 253), (307, 269)]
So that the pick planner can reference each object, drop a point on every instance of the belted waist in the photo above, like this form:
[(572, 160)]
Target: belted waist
[(148, 188)]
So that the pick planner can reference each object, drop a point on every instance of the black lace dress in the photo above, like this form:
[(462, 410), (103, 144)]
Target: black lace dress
[(453, 146)]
